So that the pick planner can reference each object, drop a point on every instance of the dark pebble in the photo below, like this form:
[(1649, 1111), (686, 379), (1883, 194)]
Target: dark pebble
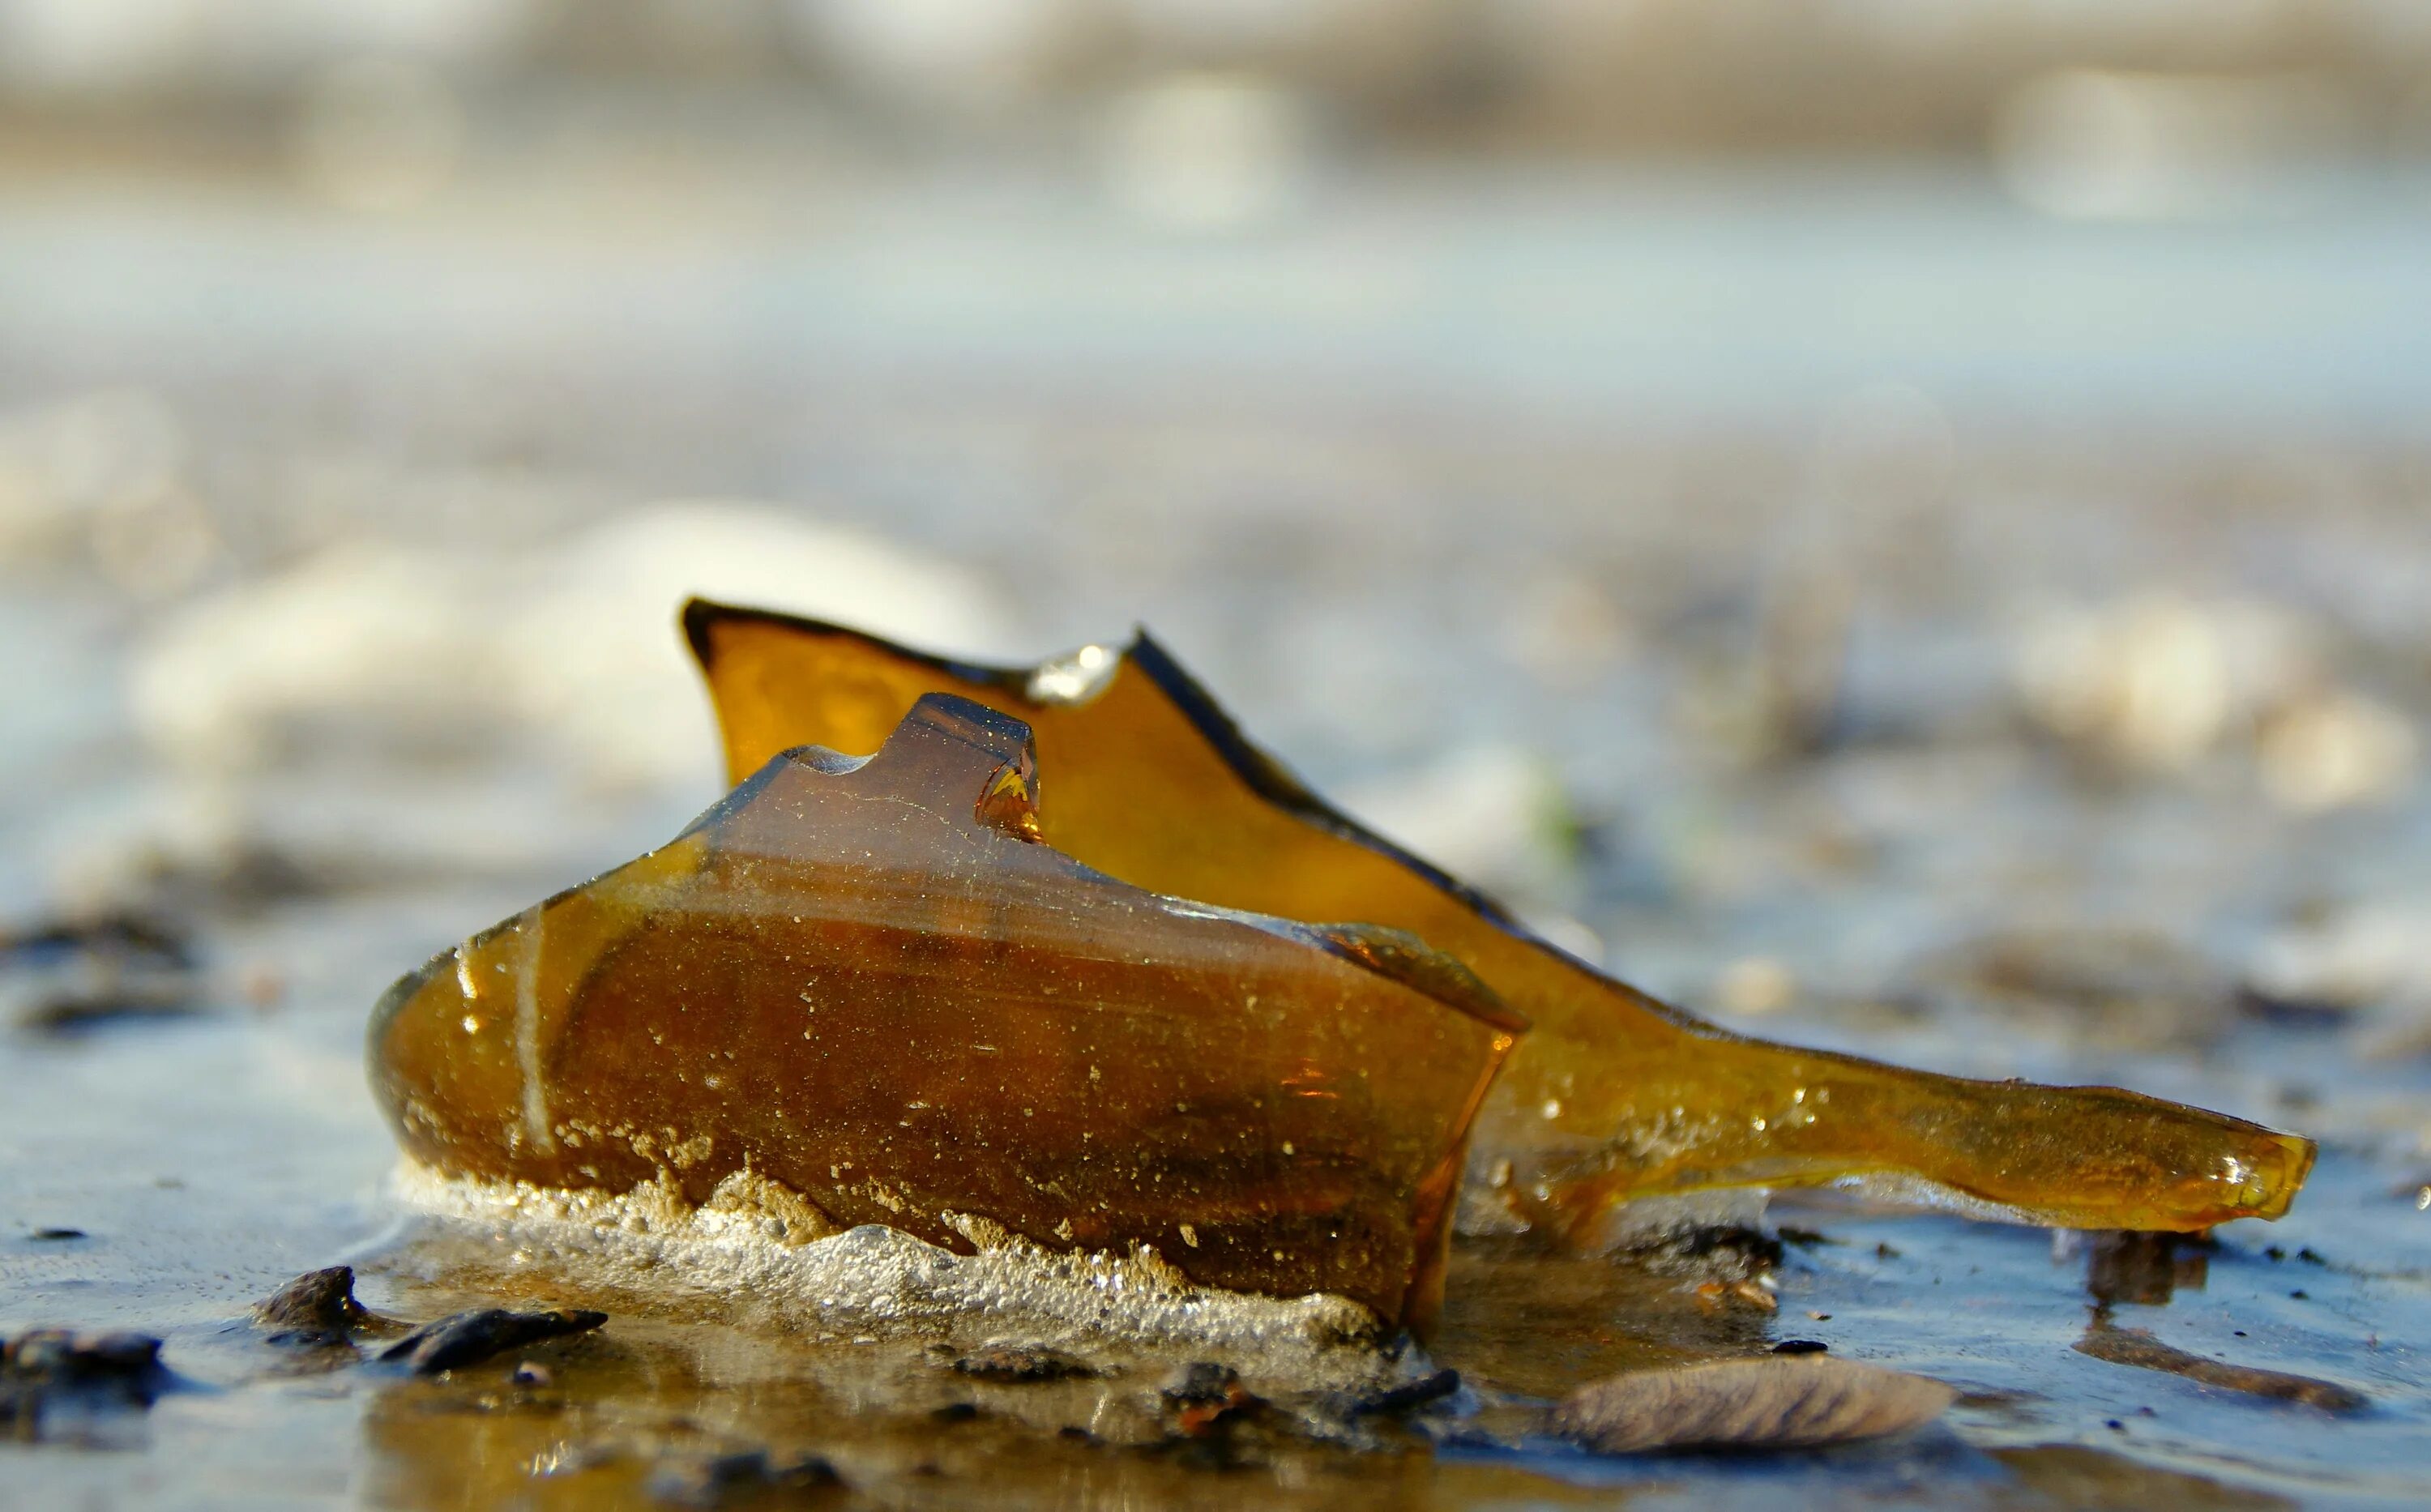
[(1207, 1394), (318, 1306), (2309, 1257), (1800, 1345), (954, 1412), (1020, 1365), (126, 935), (49, 1231), (468, 1338), (62, 1356), (107, 1366), (67, 976), (1203, 1382), (709, 1480), (1410, 1394)]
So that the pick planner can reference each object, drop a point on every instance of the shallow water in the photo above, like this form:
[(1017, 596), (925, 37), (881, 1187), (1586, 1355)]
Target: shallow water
[(1621, 629)]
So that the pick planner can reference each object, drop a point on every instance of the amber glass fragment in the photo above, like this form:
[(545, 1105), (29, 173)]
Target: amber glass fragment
[(1612, 1095), (867, 982)]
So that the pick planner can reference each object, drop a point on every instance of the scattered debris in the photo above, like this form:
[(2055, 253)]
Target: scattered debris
[(118, 936), (470, 1337), (1014, 1363), (1761, 1404), (2117, 989), (2137, 1347), (63, 976)]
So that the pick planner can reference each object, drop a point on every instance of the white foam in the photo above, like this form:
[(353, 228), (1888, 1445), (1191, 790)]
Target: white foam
[(746, 1251)]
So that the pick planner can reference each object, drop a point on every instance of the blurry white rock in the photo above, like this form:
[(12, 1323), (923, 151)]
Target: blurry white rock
[(948, 54), (1493, 815), (2350, 958), (74, 465), (2157, 681), (1209, 152), (401, 655), (2332, 749), (365, 648), (377, 134), (1754, 985), (2372, 958), (594, 658)]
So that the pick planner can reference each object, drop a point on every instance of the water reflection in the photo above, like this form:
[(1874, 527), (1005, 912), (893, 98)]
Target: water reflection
[(2143, 1269)]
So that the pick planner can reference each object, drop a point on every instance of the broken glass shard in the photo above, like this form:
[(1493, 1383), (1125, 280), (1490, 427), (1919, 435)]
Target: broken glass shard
[(1613, 1094), (866, 981)]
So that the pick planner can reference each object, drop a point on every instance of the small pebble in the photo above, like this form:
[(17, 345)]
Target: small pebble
[(318, 1306), (470, 1337), (1800, 1345)]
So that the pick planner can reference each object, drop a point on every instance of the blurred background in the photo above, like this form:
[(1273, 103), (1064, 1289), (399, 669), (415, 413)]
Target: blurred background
[(1899, 523), (1558, 427)]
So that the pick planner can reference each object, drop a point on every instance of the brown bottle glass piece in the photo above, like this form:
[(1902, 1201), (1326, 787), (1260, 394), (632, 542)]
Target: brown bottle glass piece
[(868, 982), (1612, 1095)]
